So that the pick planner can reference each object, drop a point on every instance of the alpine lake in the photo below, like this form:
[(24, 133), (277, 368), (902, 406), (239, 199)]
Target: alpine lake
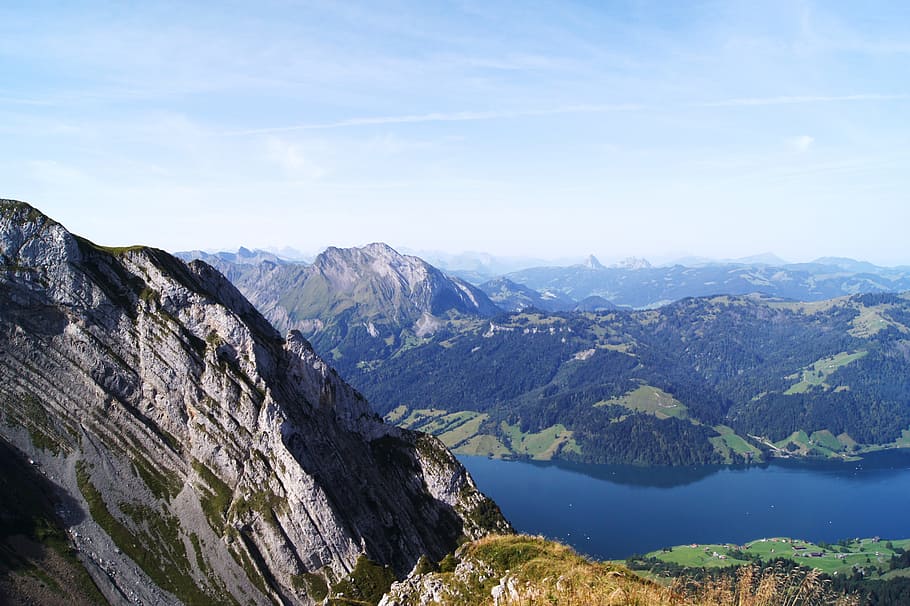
[(613, 512)]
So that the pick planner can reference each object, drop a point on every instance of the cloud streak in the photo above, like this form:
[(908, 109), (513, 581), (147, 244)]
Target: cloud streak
[(802, 143), (465, 116), (473, 116), (801, 99)]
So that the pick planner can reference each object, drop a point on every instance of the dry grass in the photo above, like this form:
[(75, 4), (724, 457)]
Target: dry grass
[(771, 586), (531, 571)]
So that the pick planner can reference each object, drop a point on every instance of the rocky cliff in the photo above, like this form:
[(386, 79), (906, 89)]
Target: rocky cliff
[(207, 458)]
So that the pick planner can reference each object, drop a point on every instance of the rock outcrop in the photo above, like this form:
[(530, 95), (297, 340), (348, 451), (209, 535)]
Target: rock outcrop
[(224, 462)]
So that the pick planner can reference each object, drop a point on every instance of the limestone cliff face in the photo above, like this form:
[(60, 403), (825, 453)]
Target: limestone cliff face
[(228, 462)]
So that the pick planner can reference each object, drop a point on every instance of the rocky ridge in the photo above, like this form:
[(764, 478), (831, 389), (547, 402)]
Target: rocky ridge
[(373, 286), (358, 304), (224, 462)]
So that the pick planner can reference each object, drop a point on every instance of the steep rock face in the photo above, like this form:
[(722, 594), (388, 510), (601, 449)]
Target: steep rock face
[(225, 461)]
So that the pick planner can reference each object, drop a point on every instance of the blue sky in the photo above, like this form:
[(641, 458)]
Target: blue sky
[(655, 129)]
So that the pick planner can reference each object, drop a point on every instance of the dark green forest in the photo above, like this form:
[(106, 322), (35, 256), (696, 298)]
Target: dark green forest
[(761, 366)]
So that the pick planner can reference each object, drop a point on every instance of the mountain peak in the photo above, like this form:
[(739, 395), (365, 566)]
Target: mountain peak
[(633, 263), (592, 263)]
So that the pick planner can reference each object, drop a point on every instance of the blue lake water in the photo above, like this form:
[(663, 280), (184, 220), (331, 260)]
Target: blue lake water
[(611, 512)]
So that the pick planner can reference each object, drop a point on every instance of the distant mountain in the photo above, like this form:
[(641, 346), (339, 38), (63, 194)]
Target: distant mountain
[(759, 259), (594, 303), (511, 296), (243, 256), (851, 265), (630, 263), (478, 267), (197, 455), (358, 304), (643, 286), (592, 263), (767, 258)]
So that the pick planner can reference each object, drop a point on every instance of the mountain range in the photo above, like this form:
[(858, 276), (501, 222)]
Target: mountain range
[(162, 443), (700, 379), (192, 452), (370, 300), (643, 286)]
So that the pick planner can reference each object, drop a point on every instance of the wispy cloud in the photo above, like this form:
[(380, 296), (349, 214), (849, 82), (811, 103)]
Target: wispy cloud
[(470, 116), (293, 159), (800, 99), (802, 143), (465, 116)]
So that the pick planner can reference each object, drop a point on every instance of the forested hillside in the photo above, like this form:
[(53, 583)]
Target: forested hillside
[(720, 379)]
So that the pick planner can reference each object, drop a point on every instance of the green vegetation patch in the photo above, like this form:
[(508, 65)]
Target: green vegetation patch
[(366, 584), (872, 320), (263, 503), (735, 442), (468, 427), (818, 372), (872, 554), (903, 441), (702, 556), (313, 584), (651, 400), (396, 414), (542, 445), (459, 431), (215, 497), (734, 448), (155, 544), (826, 439), (798, 441), (162, 484), (483, 445), (28, 411), (420, 417)]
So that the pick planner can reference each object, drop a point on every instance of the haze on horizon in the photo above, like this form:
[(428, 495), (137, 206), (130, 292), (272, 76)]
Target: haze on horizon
[(653, 129)]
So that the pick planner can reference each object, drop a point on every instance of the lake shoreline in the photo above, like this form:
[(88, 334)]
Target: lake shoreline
[(611, 512)]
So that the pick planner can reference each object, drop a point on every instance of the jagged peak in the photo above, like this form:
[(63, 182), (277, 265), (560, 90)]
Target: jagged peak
[(633, 263), (373, 251), (592, 263)]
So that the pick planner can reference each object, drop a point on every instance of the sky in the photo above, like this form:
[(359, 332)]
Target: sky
[(648, 128)]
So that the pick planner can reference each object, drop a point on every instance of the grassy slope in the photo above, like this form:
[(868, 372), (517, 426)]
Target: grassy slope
[(816, 374), (461, 432), (651, 400)]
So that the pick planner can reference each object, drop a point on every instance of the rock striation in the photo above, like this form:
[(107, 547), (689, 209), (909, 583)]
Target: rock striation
[(224, 462)]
